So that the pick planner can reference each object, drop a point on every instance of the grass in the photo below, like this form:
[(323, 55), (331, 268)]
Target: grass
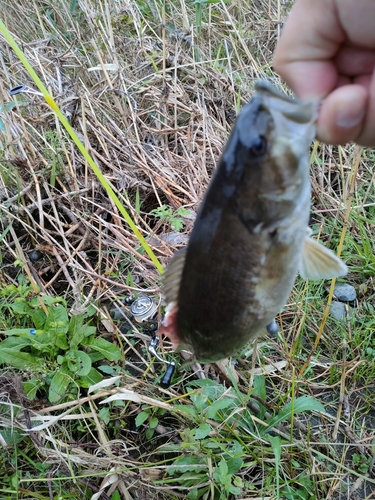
[(151, 89)]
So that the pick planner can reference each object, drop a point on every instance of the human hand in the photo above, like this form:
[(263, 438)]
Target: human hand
[(327, 50)]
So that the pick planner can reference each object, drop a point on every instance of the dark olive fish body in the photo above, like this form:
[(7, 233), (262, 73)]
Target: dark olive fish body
[(248, 240)]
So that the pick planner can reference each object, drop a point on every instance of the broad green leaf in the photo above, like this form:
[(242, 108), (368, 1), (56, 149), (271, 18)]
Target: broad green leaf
[(260, 386), (187, 409), (141, 418), (110, 351), (61, 341), (49, 301), (149, 433), (85, 363), (16, 343), (218, 405), (75, 330), (88, 330), (79, 363), (202, 431), (193, 494), (39, 318), (186, 463), (57, 320), (107, 369), (94, 377), (97, 356), (21, 307), (12, 436), (21, 332), (234, 465), (30, 387), (223, 467), (276, 446), (303, 403), (104, 415), (234, 490), (21, 360), (153, 422), (59, 385)]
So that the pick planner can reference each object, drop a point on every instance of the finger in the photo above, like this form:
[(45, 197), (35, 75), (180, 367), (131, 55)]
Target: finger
[(311, 37), (352, 61), (342, 116), (367, 135)]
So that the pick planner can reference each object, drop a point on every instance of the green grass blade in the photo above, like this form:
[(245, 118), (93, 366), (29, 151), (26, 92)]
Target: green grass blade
[(51, 102)]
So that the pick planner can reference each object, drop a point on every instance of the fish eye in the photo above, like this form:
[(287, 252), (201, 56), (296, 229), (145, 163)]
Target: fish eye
[(259, 146)]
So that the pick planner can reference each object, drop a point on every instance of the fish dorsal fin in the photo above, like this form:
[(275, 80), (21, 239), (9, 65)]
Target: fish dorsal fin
[(172, 276), (318, 262)]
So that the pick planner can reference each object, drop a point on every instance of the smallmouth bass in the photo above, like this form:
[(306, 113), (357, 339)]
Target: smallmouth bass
[(251, 234)]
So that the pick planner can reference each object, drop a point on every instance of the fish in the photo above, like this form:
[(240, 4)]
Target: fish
[(251, 236)]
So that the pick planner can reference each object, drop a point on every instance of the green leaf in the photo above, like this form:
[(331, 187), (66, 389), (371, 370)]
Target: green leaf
[(193, 494), (30, 387), (39, 318), (218, 405), (12, 436), (91, 379), (234, 465), (186, 463), (234, 490), (177, 223), (21, 307), (202, 431), (141, 418), (59, 385), (49, 301), (110, 351), (107, 369), (223, 467), (276, 446), (260, 386), (61, 341), (88, 330), (11, 105), (149, 433), (104, 415), (75, 330), (303, 403), (79, 363), (96, 356), (187, 409), (21, 360), (21, 332), (57, 319), (16, 343), (153, 422)]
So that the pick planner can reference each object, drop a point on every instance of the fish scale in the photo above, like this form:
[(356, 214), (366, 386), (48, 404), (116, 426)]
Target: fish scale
[(251, 234)]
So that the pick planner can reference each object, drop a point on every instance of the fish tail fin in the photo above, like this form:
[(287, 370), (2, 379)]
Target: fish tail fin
[(318, 262)]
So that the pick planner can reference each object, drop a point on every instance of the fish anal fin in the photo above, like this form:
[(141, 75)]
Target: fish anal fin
[(318, 262), (172, 276)]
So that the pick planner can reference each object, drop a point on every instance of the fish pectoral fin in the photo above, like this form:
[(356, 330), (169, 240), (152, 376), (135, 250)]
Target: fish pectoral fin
[(318, 262), (172, 276)]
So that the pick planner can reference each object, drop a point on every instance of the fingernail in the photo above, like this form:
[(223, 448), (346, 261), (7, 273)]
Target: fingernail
[(349, 118)]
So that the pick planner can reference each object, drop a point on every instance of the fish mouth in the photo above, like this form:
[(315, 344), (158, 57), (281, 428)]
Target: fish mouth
[(294, 111)]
